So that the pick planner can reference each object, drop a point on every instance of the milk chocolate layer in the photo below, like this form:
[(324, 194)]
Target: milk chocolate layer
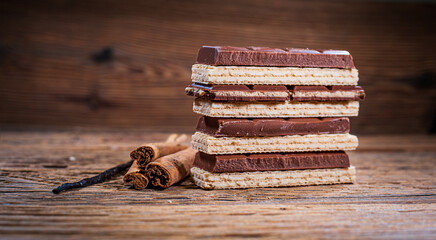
[(282, 57), (249, 93), (263, 127), (271, 161)]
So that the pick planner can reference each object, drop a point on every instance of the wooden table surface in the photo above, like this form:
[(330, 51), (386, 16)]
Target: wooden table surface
[(394, 197)]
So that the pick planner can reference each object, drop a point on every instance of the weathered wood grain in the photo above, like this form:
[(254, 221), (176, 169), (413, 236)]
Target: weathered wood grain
[(394, 197), (125, 63)]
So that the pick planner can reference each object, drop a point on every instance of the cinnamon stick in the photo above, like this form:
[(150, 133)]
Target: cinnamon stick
[(136, 177), (151, 151), (170, 169)]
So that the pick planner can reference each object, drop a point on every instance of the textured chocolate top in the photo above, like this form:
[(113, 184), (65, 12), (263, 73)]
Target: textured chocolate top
[(270, 161), (281, 57), (260, 127), (248, 93)]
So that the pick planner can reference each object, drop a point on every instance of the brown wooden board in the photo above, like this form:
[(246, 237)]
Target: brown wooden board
[(394, 197), (126, 63)]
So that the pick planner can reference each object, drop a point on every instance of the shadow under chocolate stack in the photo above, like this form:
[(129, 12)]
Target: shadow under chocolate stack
[(273, 117)]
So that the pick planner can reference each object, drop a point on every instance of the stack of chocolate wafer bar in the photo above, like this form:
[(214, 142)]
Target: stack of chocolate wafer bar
[(273, 117)]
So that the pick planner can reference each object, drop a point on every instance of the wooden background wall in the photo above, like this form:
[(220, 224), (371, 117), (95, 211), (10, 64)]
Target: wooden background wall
[(124, 64)]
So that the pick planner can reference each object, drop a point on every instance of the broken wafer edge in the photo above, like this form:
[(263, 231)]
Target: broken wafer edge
[(289, 178)]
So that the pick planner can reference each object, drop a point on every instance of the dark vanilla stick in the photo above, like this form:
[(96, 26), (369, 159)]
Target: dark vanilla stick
[(106, 175), (170, 169), (136, 177), (151, 151)]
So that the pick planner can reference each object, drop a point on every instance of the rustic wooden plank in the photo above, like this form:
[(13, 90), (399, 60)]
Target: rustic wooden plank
[(125, 64), (394, 197), (398, 143), (226, 221)]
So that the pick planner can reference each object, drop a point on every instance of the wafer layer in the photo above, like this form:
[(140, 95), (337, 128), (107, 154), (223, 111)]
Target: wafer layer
[(276, 109), (207, 74), (294, 143), (207, 180)]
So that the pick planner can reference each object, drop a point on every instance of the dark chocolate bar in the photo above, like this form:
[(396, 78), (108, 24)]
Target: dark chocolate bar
[(263, 127), (281, 57), (270, 161), (249, 93)]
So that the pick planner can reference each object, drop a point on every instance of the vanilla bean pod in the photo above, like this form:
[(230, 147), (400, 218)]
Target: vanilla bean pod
[(106, 175)]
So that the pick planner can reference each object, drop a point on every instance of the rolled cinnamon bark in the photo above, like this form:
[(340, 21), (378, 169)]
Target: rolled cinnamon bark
[(170, 169), (151, 151), (136, 177)]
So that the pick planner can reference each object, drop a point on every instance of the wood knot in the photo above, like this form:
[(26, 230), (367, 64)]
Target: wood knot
[(106, 54)]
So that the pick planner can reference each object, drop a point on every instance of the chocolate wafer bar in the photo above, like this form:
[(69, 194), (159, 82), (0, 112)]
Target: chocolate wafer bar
[(264, 127), (265, 56), (270, 161), (273, 117), (281, 93)]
